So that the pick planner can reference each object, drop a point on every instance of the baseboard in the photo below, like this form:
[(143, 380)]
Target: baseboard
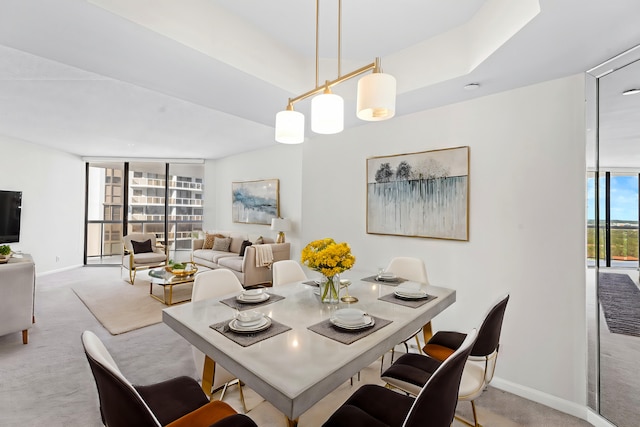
[(46, 273), (598, 421), (562, 405)]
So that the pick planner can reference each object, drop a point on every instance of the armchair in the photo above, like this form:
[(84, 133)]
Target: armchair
[(141, 253)]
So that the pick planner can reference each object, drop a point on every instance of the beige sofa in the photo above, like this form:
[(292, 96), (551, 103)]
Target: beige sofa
[(244, 267)]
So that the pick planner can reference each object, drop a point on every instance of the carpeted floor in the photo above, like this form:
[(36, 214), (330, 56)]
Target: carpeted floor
[(620, 300), (48, 381)]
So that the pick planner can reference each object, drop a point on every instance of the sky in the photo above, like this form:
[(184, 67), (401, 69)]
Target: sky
[(624, 198)]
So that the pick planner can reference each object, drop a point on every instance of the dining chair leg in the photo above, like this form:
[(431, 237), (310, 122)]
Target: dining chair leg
[(244, 405), (475, 422)]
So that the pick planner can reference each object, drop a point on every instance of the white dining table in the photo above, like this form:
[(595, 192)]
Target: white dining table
[(296, 369)]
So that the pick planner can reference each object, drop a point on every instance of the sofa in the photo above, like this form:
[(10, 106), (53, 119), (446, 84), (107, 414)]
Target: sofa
[(243, 266)]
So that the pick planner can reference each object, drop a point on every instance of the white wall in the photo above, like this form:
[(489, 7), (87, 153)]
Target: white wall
[(527, 203), (282, 162), (52, 185), (527, 198)]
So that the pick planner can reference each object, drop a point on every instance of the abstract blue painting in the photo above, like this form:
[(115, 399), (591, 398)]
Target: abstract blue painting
[(255, 202), (422, 194)]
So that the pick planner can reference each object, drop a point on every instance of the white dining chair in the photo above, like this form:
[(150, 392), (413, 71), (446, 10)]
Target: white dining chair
[(213, 284), (414, 270), (287, 271)]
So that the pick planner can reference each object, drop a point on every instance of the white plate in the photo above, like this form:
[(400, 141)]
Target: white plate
[(410, 295), (368, 322), (252, 300), (264, 324), (386, 276)]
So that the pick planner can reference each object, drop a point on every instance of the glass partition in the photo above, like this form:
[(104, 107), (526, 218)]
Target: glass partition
[(612, 287)]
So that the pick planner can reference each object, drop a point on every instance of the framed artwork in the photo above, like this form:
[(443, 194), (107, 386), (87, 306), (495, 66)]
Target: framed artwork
[(422, 194), (255, 202)]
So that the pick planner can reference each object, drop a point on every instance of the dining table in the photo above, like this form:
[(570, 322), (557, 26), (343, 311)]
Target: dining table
[(302, 357)]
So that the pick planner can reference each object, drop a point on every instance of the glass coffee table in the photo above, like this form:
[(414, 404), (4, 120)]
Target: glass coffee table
[(162, 277)]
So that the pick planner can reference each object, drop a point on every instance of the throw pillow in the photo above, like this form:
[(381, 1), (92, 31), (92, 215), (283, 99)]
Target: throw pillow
[(141, 247), (257, 241), (208, 241), (221, 244), (244, 247)]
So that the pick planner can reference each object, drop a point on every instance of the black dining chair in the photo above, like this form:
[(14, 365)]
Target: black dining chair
[(378, 406), (177, 402), (410, 372)]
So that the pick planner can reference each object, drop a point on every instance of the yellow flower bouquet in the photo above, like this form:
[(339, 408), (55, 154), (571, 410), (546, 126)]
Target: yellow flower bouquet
[(330, 259)]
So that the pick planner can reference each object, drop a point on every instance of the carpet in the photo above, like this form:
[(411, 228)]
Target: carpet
[(620, 300), (120, 307)]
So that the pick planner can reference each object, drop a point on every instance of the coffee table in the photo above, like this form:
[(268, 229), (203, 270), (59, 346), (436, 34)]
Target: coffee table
[(161, 277)]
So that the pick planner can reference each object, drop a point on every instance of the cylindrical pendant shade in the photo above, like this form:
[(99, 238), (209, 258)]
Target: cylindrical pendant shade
[(290, 127), (327, 113), (376, 97)]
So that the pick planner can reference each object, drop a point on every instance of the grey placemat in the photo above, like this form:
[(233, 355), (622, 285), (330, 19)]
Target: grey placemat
[(374, 279), (327, 329), (414, 303), (234, 303), (311, 283), (246, 340)]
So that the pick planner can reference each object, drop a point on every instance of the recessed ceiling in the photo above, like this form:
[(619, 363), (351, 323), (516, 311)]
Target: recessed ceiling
[(205, 78)]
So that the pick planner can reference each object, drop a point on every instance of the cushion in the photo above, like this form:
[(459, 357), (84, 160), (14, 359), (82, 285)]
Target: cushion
[(244, 247), (221, 243), (205, 415), (232, 263), (257, 240), (236, 243), (209, 239), (141, 247)]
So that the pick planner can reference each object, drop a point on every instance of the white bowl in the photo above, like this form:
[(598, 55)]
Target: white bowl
[(248, 316), (350, 316), (256, 292)]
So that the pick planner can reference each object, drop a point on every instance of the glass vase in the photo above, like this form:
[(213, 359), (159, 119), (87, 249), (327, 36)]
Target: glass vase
[(330, 289)]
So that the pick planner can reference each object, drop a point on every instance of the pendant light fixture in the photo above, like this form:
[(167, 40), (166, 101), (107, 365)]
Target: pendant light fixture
[(376, 98)]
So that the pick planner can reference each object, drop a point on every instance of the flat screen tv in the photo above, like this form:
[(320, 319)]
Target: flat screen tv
[(10, 209)]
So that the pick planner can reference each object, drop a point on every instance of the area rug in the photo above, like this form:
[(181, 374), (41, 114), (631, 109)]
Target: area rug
[(620, 300), (120, 307)]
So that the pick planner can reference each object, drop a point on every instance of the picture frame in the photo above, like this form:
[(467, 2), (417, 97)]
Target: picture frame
[(423, 194), (255, 202)]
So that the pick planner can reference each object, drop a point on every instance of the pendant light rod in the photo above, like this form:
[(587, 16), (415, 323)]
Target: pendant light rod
[(339, 35), (317, 38), (369, 67)]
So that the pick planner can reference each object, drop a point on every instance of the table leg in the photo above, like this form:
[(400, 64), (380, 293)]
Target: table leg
[(427, 333), (170, 295), (208, 373), (292, 423)]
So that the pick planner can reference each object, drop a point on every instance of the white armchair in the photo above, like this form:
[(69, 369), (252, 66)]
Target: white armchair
[(17, 282), (140, 253)]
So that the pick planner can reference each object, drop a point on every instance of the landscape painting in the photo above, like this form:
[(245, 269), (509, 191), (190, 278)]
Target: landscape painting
[(255, 202), (422, 194)]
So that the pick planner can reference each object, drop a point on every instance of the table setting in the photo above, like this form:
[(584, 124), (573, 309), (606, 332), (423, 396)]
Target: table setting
[(251, 298), (249, 327), (409, 294)]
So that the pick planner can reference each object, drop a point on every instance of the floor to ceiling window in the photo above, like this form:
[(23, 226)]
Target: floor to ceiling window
[(170, 208)]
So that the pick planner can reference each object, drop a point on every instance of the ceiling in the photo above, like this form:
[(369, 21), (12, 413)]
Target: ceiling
[(203, 79)]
